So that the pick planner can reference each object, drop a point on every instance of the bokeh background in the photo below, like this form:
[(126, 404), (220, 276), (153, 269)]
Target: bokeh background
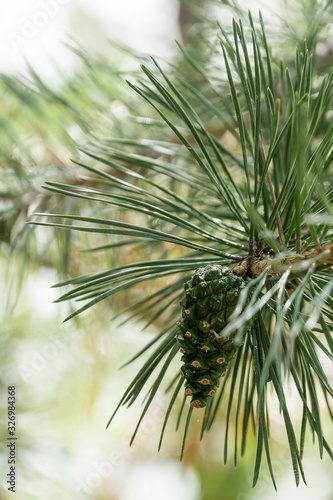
[(68, 375)]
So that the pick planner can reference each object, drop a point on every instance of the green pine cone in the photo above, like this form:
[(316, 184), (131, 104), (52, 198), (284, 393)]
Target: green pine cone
[(211, 296)]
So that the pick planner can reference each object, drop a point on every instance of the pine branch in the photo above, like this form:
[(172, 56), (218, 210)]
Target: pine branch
[(203, 200)]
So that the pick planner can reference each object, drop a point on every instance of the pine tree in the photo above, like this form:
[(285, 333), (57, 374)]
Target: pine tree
[(231, 195)]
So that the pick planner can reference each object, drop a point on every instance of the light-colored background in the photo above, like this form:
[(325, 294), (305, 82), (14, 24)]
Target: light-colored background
[(67, 376)]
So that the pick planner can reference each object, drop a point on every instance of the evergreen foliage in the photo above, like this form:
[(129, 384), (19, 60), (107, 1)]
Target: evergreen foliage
[(237, 173)]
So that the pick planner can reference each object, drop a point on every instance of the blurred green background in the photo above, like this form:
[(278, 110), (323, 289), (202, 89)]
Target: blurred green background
[(68, 377)]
